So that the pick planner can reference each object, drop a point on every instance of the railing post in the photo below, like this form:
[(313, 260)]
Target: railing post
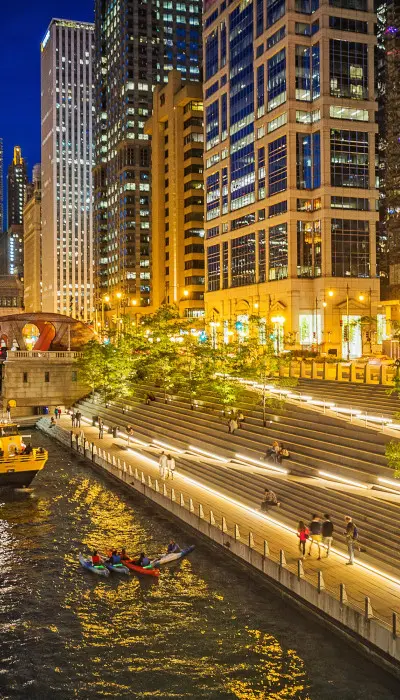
[(321, 582), (251, 540), (201, 511), (237, 532), (191, 505), (368, 608), (300, 569), (143, 478), (149, 482), (342, 594), (157, 486), (173, 495), (266, 549), (394, 625), (282, 558), (181, 500), (224, 526), (136, 474), (212, 519), (165, 492)]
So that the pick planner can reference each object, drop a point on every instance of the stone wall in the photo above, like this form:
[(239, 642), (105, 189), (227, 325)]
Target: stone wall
[(48, 379)]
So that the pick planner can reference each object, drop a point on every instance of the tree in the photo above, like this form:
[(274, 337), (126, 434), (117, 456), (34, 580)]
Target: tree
[(91, 365), (392, 452), (195, 365)]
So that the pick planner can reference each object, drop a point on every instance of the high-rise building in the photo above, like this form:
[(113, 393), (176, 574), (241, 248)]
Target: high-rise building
[(33, 244), (388, 83), (137, 43), (67, 145), (17, 181), (290, 171), (177, 223), (1, 188)]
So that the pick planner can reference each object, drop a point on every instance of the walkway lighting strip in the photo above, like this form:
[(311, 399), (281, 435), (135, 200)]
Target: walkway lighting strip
[(207, 454), (135, 440), (169, 447), (265, 465), (316, 402), (264, 518), (328, 475), (351, 411), (389, 482), (86, 420), (146, 459)]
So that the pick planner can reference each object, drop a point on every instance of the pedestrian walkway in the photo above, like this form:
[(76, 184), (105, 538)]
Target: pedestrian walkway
[(382, 589)]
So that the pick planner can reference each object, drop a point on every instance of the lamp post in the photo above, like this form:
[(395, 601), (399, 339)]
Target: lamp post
[(104, 299)]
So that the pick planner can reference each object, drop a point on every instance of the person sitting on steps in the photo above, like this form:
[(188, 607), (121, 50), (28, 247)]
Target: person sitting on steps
[(269, 500)]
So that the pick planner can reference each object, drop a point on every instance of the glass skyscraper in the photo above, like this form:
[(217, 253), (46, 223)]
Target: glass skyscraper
[(290, 167), (137, 43), (67, 146)]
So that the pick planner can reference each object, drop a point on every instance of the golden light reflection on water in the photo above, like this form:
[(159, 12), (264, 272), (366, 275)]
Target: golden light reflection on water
[(175, 623)]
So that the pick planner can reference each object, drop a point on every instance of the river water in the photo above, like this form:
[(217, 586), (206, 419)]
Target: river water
[(205, 629)]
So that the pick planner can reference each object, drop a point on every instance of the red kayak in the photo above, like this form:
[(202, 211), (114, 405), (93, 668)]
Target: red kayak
[(139, 569)]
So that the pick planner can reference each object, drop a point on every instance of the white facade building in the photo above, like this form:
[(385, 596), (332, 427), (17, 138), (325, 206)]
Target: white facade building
[(67, 152)]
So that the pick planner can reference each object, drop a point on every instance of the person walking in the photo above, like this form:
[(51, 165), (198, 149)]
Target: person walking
[(8, 409), (303, 534), (240, 419), (351, 534), (232, 425), (73, 419), (101, 429), (129, 431), (78, 417), (315, 528), (327, 533), (162, 465), (170, 466)]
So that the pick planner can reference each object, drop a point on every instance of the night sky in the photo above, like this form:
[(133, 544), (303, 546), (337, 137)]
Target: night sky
[(22, 27)]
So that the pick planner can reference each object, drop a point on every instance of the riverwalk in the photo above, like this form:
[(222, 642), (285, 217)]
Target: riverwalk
[(268, 535)]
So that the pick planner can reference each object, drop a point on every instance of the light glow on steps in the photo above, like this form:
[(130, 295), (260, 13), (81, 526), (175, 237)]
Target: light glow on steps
[(132, 439), (267, 518), (258, 463), (389, 482), (335, 477), (143, 457), (207, 454), (169, 447)]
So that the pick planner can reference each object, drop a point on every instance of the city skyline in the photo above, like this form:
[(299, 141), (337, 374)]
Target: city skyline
[(27, 24)]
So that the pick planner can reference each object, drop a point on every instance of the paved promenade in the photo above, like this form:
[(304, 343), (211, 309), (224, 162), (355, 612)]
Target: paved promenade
[(359, 581)]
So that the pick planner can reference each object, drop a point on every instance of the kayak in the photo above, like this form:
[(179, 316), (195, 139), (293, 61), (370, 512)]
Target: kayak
[(174, 556), (100, 570), (117, 568), (140, 569)]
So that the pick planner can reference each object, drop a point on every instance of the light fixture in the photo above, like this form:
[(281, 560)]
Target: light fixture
[(118, 295), (361, 297), (330, 293), (107, 299), (278, 319), (134, 302), (256, 305), (324, 304), (185, 293)]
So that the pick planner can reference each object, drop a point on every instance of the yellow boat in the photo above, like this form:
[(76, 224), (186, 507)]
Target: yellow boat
[(18, 469)]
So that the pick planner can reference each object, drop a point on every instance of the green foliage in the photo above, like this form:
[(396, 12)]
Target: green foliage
[(392, 452)]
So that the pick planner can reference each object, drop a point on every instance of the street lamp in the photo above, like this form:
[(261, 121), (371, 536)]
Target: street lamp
[(185, 293), (104, 300)]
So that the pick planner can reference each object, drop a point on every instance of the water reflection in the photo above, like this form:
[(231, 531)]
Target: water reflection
[(202, 630)]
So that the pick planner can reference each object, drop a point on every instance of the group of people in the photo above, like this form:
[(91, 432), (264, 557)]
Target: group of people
[(76, 417), (320, 532), (57, 412), (276, 452), (119, 557), (235, 422), (166, 466), (24, 450)]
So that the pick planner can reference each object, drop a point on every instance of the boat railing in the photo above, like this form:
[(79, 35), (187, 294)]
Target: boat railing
[(35, 455)]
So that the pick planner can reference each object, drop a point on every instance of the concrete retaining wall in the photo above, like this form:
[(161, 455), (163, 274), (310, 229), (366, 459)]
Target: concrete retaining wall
[(372, 635)]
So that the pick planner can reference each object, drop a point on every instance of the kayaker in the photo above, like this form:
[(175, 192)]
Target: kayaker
[(173, 547), (142, 561), (123, 555), (115, 558), (95, 558)]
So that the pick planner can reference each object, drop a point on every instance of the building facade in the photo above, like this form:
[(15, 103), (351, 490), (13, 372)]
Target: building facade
[(1, 187), (33, 244), (177, 224), (137, 43), (17, 181), (67, 147), (291, 198)]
